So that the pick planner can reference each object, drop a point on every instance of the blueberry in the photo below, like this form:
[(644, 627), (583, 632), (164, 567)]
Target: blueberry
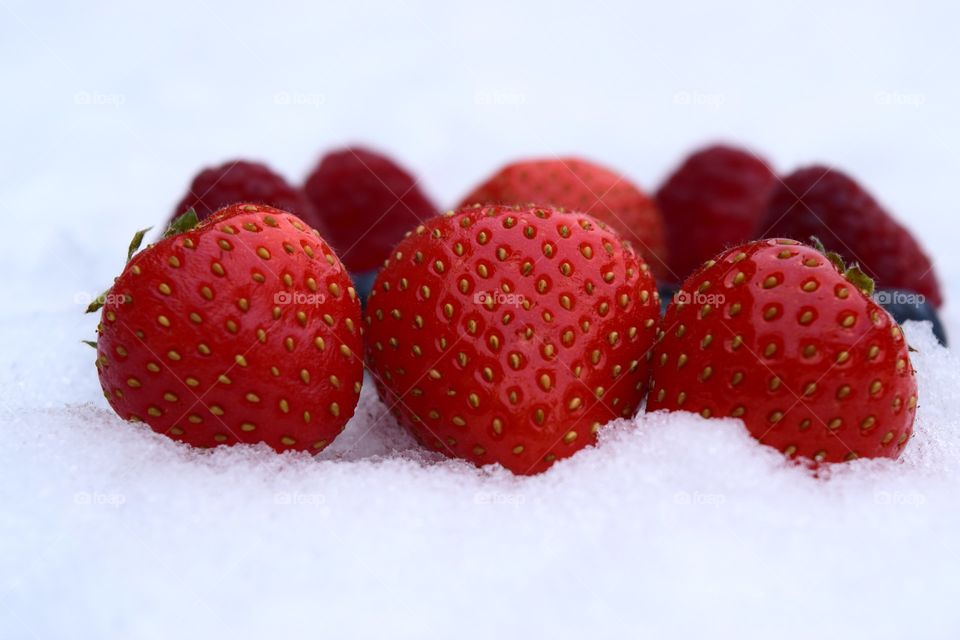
[(667, 291), (363, 283)]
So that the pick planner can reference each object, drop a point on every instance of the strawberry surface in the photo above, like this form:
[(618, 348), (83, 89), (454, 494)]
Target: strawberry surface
[(243, 329), (586, 187), (510, 334), (773, 333)]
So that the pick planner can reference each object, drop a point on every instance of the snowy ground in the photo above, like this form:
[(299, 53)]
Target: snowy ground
[(670, 527)]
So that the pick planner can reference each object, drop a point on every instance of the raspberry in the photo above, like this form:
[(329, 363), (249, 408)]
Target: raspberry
[(368, 202), (713, 201), (243, 181), (826, 203)]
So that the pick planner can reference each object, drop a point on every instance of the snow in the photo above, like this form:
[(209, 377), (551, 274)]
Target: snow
[(672, 526)]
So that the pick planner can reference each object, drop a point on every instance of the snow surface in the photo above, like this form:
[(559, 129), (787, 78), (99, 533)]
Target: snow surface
[(672, 526)]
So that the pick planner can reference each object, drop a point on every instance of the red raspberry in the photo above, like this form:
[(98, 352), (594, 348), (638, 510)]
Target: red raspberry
[(713, 201), (823, 202), (368, 202), (242, 181)]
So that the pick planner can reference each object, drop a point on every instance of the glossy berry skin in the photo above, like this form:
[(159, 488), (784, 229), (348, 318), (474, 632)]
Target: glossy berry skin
[(242, 330), (368, 202), (240, 181), (772, 333), (713, 201), (826, 203), (579, 185), (510, 334)]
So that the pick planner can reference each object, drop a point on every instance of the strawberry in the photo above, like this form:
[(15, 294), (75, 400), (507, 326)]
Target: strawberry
[(823, 202), (243, 329), (509, 334), (714, 200), (368, 202), (242, 181), (774, 333), (580, 185)]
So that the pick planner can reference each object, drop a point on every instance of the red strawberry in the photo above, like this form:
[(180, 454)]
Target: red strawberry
[(242, 181), (714, 200), (823, 202), (579, 185), (773, 333), (367, 202), (242, 329), (510, 334)]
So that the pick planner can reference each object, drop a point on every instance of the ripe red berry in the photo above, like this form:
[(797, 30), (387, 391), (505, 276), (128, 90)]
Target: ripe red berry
[(823, 202), (713, 201), (510, 334), (773, 333), (368, 202), (241, 181), (580, 185), (243, 329)]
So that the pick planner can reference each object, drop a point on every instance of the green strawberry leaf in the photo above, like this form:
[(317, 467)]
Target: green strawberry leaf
[(854, 274), (91, 343), (182, 223), (136, 242), (859, 279)]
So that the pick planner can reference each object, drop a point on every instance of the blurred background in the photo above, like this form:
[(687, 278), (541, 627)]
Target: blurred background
[(110, 108)]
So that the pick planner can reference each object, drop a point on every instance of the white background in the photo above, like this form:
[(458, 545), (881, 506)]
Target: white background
[(108, 110)]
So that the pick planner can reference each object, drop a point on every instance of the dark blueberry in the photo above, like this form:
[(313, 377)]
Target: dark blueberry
[(363, 283), (667, 291)]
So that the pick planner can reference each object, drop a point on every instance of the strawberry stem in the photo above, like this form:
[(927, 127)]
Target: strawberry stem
[(854, 274), (182, 223)]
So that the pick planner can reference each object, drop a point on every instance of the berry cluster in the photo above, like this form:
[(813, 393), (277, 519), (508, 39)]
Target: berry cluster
[(510, 329)]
